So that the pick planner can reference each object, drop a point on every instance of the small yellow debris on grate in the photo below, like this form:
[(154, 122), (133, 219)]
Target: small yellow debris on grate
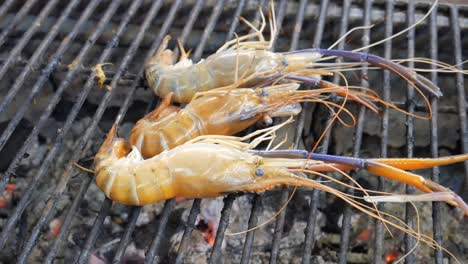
[(100, 75)]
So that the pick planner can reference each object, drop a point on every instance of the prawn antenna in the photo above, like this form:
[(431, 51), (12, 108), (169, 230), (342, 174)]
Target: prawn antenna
[(273, 217), (348, 33), (335, 115), (403, 31), (83, 168)]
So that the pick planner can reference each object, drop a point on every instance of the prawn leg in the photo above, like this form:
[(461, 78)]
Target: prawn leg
[(380, 62), (163, 109)]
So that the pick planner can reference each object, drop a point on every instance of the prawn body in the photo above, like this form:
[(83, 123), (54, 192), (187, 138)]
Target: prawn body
[(217, 113), (199, 170), (185, 79), (134, 181), (210, 167)]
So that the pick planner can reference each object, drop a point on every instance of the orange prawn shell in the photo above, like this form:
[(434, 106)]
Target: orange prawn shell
[(192, 171), (185, 79), (208, 115)]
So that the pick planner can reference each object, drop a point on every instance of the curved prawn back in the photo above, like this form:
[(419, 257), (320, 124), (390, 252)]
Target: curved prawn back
[(211, 113), (237, 63)]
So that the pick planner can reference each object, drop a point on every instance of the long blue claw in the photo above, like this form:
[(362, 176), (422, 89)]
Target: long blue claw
[(297, 153), (380, 62)]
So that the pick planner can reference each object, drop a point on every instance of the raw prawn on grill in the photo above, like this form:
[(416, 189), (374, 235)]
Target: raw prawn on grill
[(255, 63), (228, 112), (210, 166)]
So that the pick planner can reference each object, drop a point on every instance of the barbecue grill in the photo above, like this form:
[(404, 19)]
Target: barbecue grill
[(53, 113)]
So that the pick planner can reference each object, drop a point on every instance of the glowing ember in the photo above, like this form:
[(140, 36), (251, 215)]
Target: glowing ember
[(392, 256)]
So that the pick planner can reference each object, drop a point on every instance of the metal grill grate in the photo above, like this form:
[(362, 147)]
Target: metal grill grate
[(41, 41)]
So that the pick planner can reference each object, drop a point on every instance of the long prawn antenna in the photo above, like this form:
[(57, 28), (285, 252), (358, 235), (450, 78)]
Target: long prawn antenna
[(406, 73), (321, 83), (82, 168)]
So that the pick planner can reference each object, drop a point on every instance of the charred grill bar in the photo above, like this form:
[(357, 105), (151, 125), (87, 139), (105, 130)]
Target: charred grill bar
[(66, 49)]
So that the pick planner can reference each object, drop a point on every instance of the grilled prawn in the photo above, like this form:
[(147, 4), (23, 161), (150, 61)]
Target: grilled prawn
[(211, 166), (227, 113), (255, 64)]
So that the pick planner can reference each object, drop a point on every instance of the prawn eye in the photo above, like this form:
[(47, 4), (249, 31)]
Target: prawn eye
[(264, 93), (259, 172)]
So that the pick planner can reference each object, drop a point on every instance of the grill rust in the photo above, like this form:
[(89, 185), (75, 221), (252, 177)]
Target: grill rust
[(42, 40)]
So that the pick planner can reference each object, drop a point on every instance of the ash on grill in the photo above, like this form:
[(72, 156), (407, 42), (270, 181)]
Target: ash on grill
[(146, 220)]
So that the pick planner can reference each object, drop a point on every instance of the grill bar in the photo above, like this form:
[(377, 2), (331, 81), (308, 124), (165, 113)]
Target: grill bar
[(229, 200), (18, 17), (313, 211), (14, 54), (65, 228), (25, 199), (295, 39), (187, 28), (285, 190), (127, 236), (410, 212), (279, 225), (27, 70), (34, 59), (196, 203), (223, 223), (151, 256), (436, 207), (235, 20), (37, 229), (346, 224), (103, 212), (190, 22), (169, 204), (45, 166), (97, 226), (136, 80), (5, 7), (208, 29), (379, 230), (280, 13), (257, 206), (190, 225), (39, 125), (249, 238), (54, 102), (461, 101)]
